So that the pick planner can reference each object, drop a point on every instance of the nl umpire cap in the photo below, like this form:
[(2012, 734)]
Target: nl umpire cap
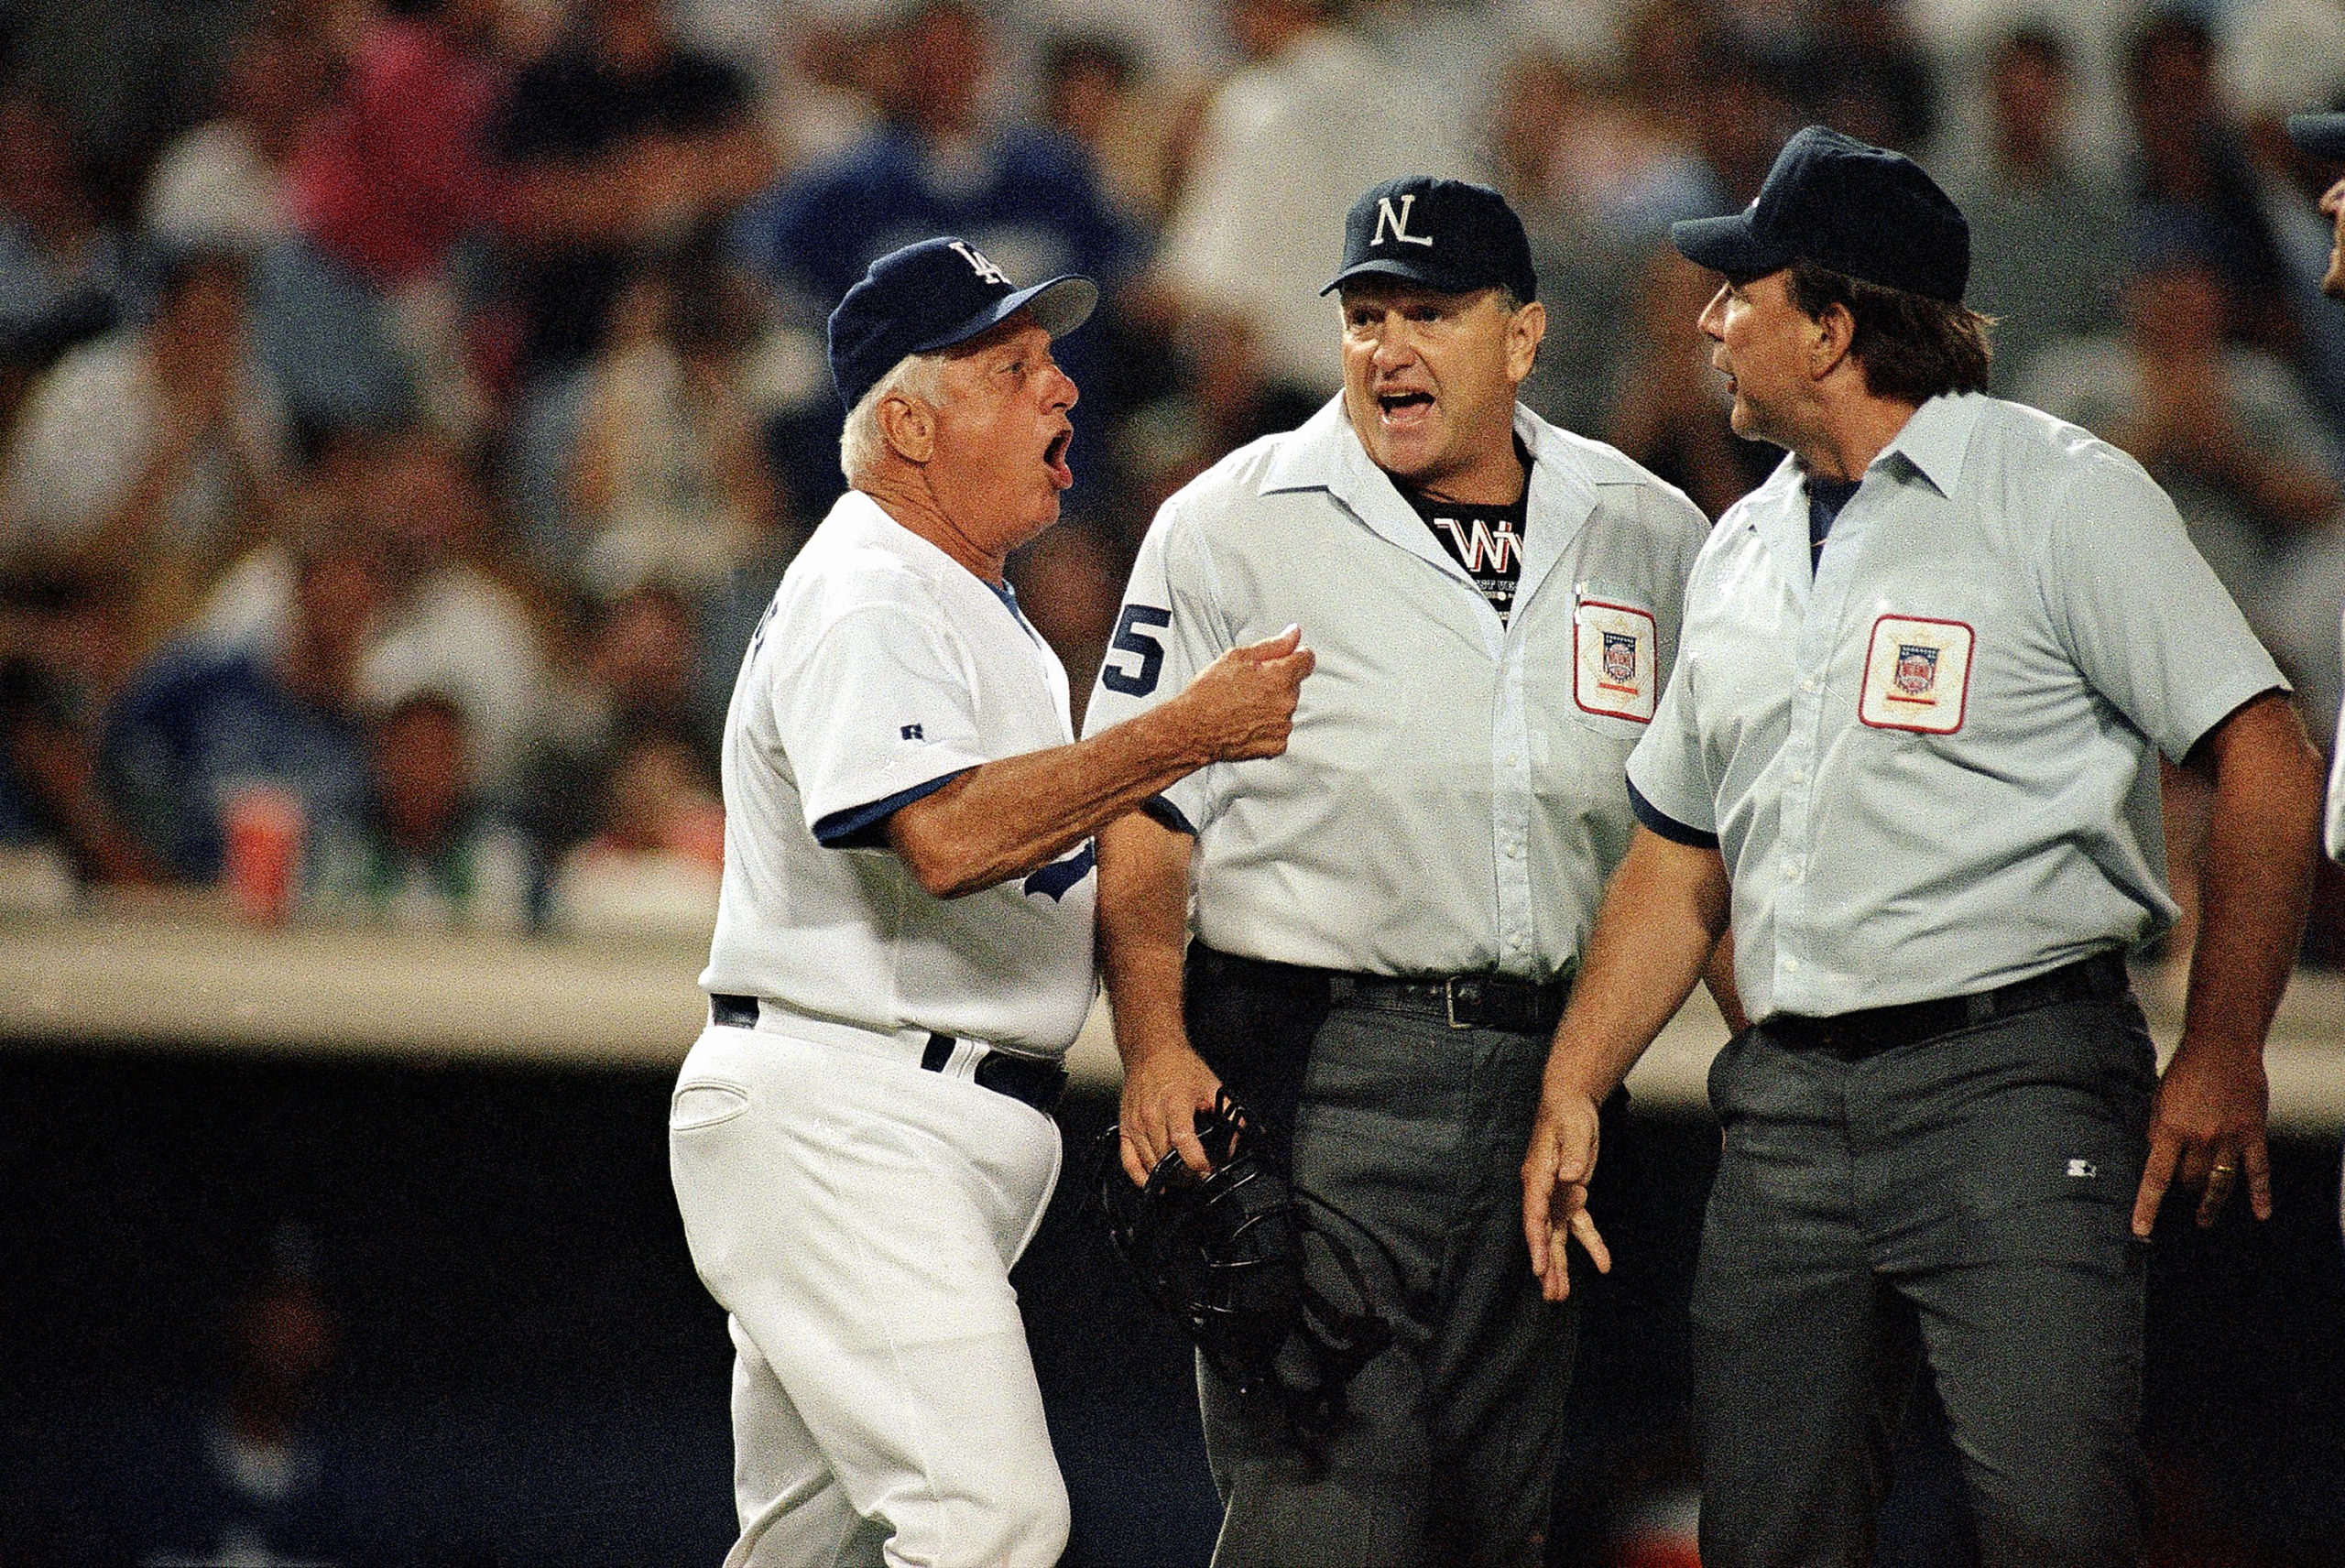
[(2323, 135), (1445, 233), (1862, 210), (931, 296)]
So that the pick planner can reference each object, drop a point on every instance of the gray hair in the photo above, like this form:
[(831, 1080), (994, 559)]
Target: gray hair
[(920, 376)]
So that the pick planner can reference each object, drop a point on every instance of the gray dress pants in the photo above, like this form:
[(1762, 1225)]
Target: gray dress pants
[(1415, 1132), (1959, 1208)]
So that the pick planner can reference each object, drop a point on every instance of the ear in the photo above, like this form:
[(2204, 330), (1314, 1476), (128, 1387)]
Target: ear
[(1829, 341), (1524, 333), (909, 426)]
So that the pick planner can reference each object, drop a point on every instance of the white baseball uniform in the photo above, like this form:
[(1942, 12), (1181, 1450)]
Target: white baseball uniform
[(857, 1213)]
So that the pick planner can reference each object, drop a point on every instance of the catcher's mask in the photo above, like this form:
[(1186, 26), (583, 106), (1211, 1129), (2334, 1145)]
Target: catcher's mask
[(1225, 1254)]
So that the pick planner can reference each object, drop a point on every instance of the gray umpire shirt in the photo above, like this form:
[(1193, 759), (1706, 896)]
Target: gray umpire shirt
[(1929, 766), (1452, 798)]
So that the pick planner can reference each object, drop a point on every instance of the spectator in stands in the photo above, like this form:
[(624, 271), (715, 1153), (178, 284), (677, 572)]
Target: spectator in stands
[(2229, 431), (1857, 66), (448, 621), (251, 1479), (64, 273), (617, 142), (655, 867), (670, 473), (1226, 395), (2048, 249), (57, 831), (201, 723), (1070, 585), (630, 673), (224, 184), (427, 855), (1671, 414), (940, 163), (1315, 117), (1554, 126), (372, 316), (1026, 196), (158, 449), (2192, 159)]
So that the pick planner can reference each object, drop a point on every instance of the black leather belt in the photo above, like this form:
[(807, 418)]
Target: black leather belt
[(1854, 1036), (1035, 1079), (1461, 1001)]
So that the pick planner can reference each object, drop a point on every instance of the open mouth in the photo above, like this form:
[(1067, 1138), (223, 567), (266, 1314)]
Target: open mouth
[(1055, 459), (1404, 407)]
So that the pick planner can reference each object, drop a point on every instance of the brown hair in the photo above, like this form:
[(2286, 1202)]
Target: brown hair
[(1910, 347)]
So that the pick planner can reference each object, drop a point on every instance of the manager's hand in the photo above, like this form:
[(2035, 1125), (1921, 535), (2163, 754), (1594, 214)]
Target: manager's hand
[(1556, 1172), (1242, 704)]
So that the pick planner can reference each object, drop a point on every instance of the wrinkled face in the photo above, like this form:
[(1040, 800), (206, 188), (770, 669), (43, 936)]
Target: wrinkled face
[(2332, 206), (1429, 379), (1760, 343), (1000, 462)]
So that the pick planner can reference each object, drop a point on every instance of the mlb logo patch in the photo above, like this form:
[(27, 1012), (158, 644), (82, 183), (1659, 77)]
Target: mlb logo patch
[(1615, 647), (1917, 668), (1917, 675), (1620, 659)]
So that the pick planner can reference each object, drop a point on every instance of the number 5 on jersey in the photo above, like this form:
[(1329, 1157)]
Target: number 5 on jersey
[(1134, 635)]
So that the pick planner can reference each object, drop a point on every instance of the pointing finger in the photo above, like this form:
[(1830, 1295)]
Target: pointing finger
[(1277, 647), (1583, 1228), (2259, 1177), (2164, 1149)]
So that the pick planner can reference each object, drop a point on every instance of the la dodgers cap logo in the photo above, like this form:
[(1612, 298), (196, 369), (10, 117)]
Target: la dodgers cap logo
[(931, 296)]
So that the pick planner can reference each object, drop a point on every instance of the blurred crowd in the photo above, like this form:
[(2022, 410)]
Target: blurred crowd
[(407, 406)]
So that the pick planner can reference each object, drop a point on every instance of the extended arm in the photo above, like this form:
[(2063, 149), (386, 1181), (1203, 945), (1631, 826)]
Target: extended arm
[(2208, 1121), (1660, 922), (1004, 818)]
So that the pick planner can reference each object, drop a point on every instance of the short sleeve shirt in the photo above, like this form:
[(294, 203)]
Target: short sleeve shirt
[(1452, 798), (883, 668), (1928, 762)]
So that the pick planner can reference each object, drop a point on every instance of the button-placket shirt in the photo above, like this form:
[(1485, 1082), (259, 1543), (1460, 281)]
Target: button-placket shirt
[(1928, 763), (1453, 796)]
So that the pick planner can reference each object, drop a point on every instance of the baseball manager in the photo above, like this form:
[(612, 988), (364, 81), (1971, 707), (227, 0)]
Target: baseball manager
[(1387, 916), (1911, 746), (860, 1140)]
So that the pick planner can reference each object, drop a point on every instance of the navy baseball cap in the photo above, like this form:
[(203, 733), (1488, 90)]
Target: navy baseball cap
[(1445, 233), (1861, 211), (2323, 135), (931, 296)]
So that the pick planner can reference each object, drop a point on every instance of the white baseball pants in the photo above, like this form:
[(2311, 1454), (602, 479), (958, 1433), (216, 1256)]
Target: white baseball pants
[(858, 1216)]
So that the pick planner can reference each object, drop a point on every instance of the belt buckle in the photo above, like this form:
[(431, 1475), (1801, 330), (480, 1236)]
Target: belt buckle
[(1449, 1000)]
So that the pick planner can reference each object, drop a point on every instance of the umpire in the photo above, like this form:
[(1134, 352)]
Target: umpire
[(1387, 916), (1911, 746)]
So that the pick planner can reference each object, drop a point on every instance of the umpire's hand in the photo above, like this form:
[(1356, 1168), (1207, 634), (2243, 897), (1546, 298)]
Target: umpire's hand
[(2205, 1126), (1164, 1092), (1555, 1172)]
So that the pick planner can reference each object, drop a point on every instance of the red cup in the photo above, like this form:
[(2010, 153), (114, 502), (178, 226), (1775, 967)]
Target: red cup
[(263, 827)]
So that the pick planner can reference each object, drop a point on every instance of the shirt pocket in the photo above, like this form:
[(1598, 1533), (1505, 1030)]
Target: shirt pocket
[(1613, 670)]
